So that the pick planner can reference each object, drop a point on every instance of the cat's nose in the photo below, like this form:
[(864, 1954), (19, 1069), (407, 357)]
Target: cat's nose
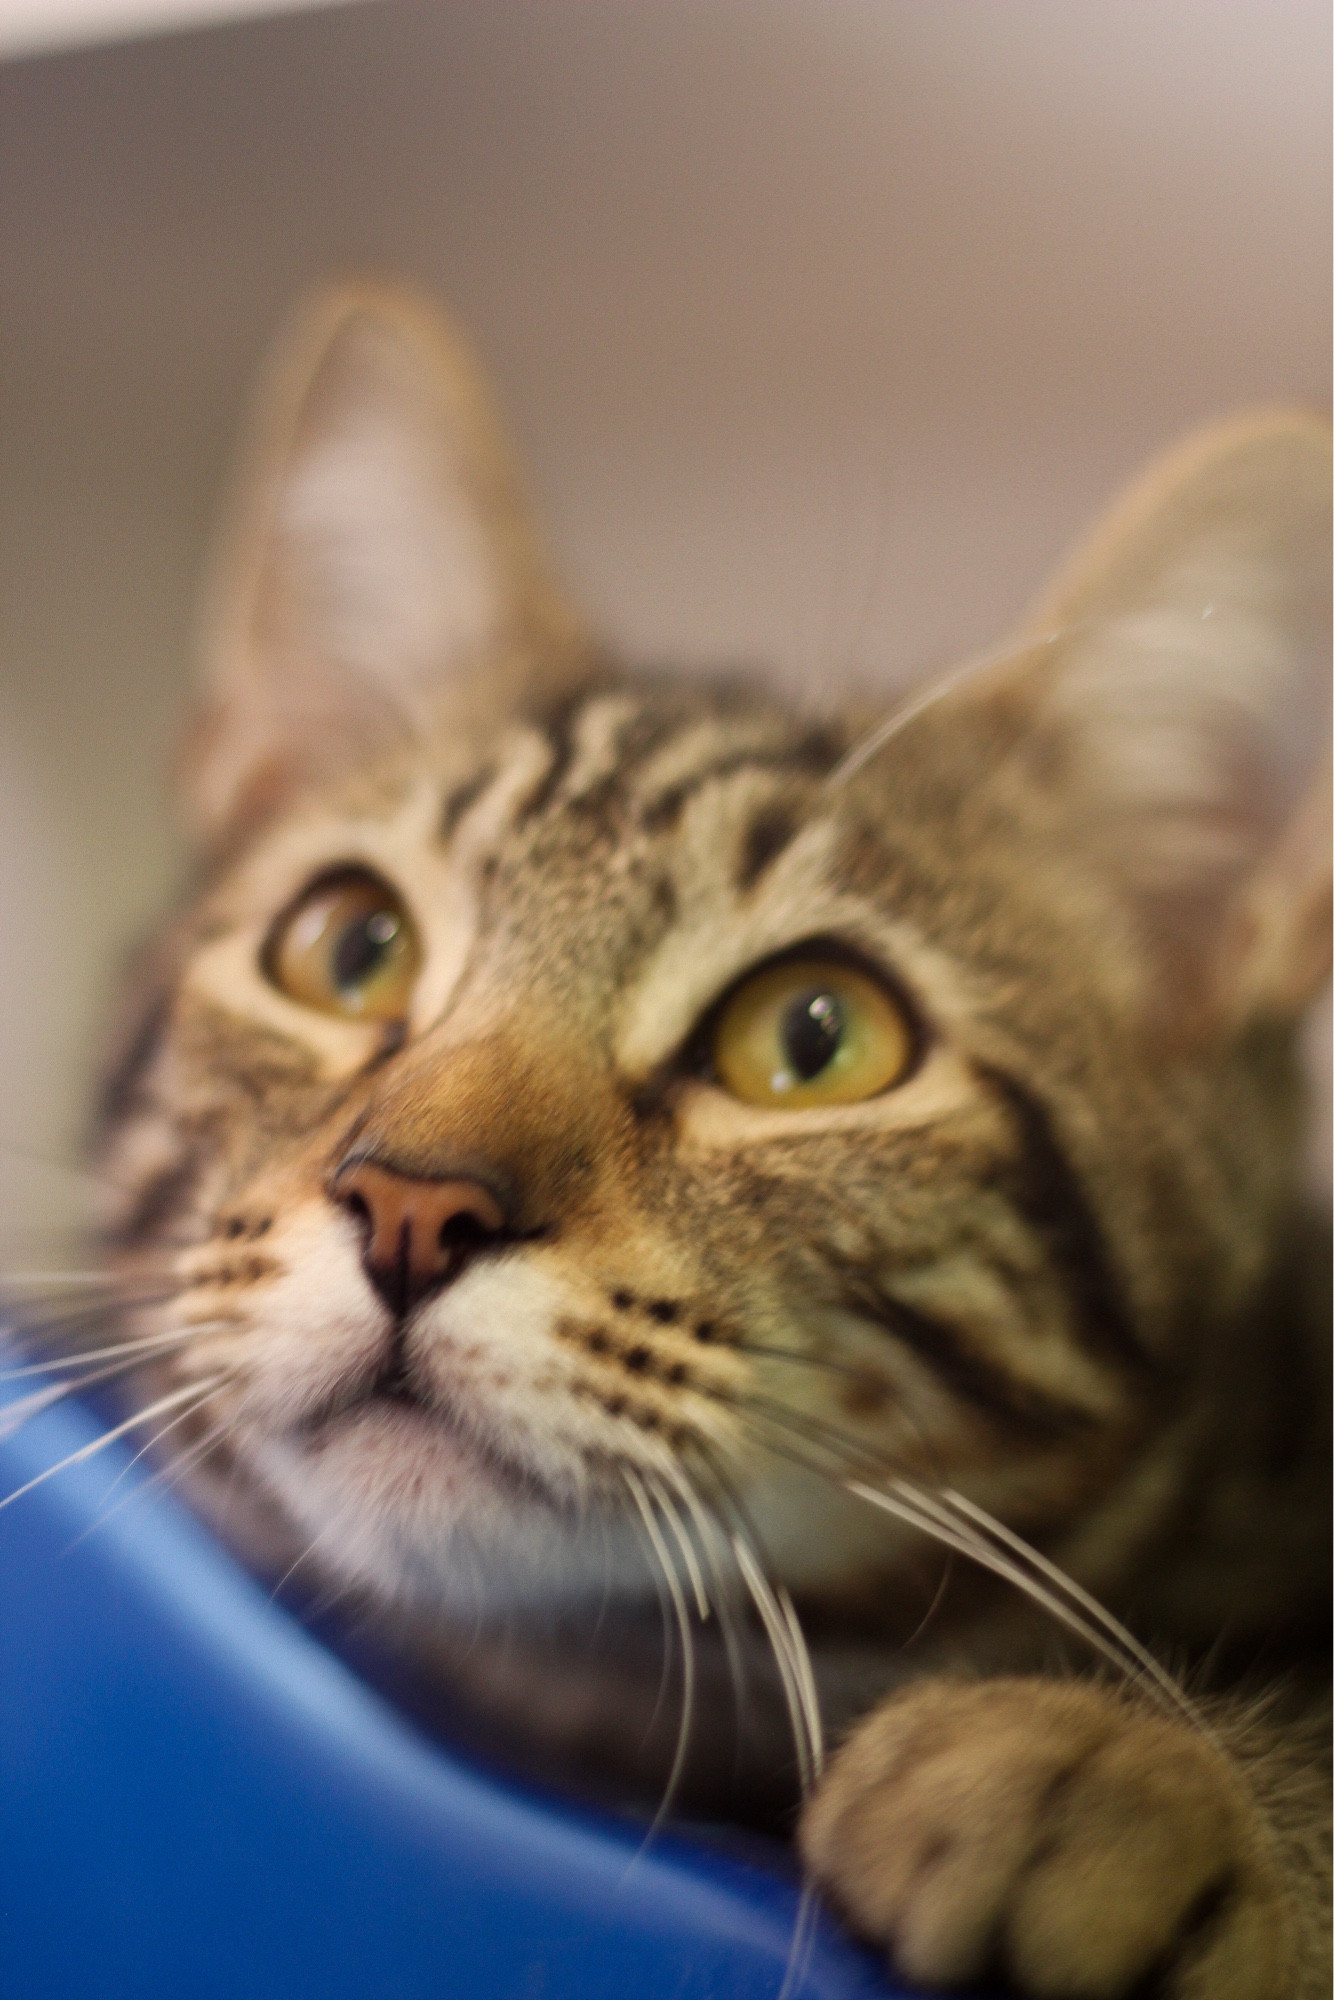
[(416, 1235)]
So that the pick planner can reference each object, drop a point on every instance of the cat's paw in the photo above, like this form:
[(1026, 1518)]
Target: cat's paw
[(1051, 1835)]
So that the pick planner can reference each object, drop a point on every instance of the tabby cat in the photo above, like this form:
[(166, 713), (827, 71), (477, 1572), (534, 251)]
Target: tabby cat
[(614, 1171)]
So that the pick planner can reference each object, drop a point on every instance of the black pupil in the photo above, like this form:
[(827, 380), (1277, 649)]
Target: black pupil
[(811, 1032), (362, 947)]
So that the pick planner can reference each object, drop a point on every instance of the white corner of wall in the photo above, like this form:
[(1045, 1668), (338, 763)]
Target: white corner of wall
[(37, 27)]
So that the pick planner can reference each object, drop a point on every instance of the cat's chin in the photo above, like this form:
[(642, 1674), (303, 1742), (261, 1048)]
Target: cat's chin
[(390, 1499), (394, 1448)]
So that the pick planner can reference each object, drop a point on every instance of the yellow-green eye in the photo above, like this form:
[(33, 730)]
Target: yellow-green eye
[(347, 947), (811, 1031)]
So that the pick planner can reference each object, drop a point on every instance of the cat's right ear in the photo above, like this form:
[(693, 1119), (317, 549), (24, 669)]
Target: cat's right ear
[(377, 574)]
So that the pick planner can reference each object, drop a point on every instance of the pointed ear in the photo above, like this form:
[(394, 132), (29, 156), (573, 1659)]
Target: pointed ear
[(377, 569), (1183, 699)]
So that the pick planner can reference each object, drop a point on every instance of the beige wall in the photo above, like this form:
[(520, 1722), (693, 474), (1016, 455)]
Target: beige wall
[(823, 325)]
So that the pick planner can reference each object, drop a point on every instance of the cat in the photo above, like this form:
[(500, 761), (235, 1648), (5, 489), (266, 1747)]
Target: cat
[(597, 1155)]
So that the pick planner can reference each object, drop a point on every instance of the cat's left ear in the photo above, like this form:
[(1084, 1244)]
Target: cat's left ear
[(378, 574), (1183, 693)]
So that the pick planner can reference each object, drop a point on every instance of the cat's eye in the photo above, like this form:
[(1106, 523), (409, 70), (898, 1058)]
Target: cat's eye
[(811, 1031), (347, 946)]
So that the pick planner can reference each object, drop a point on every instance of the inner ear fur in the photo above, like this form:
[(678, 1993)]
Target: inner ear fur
[(377, 574), (1184, 681)]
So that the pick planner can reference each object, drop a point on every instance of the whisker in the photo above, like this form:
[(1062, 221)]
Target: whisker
[(164, 1478), (201, 1390), (937, 1599), (687, 1547), (805, 1730), (181, 1417), (791, 1655), (848, 1369), (1110, 1624), (106, 1279), (299, 1563), (915, 1511), (803, 1937), (1003, 1563), (28, 1329), (682, 1612), (713, 1545), (1013, 1559), (980, 1551), (861, 754), (171, 1474), (150, 1344), (841, 1445), (668, 1630), (782, 1628), (14, 1416)]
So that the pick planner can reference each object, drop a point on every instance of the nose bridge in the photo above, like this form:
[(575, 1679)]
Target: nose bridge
[(517, 1110)]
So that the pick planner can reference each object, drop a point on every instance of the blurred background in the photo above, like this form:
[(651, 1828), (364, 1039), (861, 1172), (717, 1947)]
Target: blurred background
[(823, 325)]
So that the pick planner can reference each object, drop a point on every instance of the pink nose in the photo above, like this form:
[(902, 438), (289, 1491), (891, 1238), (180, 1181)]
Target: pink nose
[(416, 1235)]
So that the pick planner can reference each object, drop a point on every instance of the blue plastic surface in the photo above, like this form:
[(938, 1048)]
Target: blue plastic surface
[(196, 1799)]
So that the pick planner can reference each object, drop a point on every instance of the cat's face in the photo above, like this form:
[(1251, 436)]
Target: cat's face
[(605, 1110)]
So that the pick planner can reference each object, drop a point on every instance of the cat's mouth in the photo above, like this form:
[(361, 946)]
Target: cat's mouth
[(391, 1388), (390, 1412)]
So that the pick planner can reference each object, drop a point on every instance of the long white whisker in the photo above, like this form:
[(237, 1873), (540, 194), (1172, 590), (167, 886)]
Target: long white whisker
[(684, 1543), (682, 1612), (806, 1735), (168, 1475), (1110, 1624), (871, 745), (13, 1416), (164, 1478), (1051, 1589), (713, 1544), (916, 1510), (164, 1403), (58, 1320), (150, 1344), (787, 1642), (181, 1417), (16, 1414), (803, 1937), (664, 1612), (956, 1535), (800, 1656), (105, 1279), (304, 1557), (1013, 1563)]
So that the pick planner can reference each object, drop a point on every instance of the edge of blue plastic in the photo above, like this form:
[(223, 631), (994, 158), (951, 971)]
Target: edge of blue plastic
[(197, 1798)]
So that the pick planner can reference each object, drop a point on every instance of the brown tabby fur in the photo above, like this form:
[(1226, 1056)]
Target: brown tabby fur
[(1061, 1268)]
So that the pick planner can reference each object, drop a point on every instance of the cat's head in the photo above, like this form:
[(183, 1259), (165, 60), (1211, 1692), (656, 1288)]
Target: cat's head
[(580, 1112)]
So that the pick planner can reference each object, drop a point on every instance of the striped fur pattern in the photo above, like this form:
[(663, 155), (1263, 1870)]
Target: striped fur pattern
[(1058, 1272)]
